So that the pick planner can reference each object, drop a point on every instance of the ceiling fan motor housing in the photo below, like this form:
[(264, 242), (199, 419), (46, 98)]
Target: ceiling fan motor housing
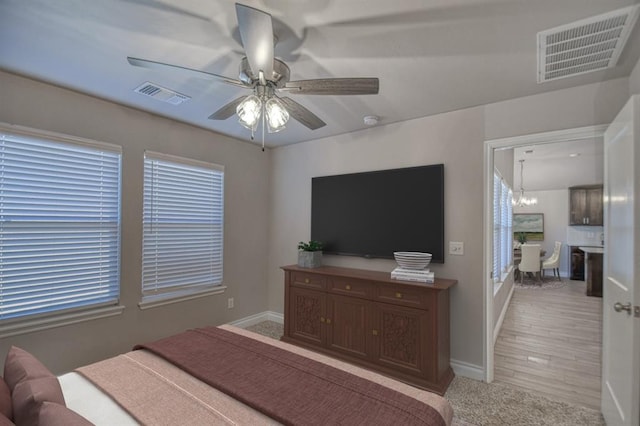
[(278, 78)]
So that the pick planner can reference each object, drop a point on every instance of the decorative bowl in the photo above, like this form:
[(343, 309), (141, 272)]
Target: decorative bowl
[(412, 259)]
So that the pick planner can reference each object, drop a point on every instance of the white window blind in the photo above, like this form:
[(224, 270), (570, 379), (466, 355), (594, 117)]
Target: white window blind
[(502, 227), (183, 226), (59, 225)]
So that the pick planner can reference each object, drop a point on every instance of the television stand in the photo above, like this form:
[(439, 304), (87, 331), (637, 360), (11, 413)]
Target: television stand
[(397, 328)]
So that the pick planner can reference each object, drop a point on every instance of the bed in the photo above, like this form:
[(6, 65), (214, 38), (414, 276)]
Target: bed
[(285, 385)]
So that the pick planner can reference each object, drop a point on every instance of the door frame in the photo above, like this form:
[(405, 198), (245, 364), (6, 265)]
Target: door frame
[(489, 147)]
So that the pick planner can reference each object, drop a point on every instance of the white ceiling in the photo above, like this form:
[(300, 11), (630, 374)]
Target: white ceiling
[(552, 166), (431, 56)]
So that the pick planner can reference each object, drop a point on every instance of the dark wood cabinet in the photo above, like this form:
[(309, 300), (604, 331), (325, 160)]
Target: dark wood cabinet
[(397, 328), (594, 274), (585, 205)]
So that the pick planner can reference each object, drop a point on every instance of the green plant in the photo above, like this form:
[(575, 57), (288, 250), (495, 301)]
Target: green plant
[(310, 246), (522, 237)]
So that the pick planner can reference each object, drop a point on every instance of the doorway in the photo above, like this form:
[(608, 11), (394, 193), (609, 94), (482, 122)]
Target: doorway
[(491, 146)]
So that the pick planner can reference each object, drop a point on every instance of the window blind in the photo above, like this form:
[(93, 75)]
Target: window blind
[(182, 226), (502, 227), (59, 225), (497, 216)]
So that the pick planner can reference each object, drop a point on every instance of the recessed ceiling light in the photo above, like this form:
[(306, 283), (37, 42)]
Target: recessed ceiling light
[(574, 155)]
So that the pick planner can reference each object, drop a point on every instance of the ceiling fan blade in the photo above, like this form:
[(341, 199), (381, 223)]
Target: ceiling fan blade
[(256, 32), (334, 86), (188, 72), (302, 114), (227, 111)]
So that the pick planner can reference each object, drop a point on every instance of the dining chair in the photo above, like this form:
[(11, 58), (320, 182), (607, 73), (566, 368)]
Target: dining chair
[(553, 262), (530, 260)]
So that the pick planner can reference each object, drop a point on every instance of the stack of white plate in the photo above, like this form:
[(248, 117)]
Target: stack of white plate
[(412, 259)]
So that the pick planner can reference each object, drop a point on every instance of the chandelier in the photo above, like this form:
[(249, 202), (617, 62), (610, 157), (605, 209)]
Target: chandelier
[(262, 107), (522, 200)]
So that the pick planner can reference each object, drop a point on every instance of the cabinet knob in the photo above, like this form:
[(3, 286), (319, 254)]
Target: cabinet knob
[(328, 320), (322, 319), (306, 280), (398, 295), (374, 332), (347, 287)]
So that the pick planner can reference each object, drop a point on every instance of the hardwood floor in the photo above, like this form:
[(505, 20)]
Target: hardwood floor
[(550, 343)]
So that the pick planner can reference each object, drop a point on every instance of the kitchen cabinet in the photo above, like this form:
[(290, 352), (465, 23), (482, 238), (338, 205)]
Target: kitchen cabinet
[(397, 328), (585, 205)]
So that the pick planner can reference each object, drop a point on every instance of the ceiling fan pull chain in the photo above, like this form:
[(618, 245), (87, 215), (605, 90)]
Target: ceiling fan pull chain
[(263, 126)]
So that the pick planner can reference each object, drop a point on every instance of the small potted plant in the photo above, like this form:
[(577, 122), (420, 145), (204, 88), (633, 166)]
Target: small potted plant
[(522, 237), (310, 254)]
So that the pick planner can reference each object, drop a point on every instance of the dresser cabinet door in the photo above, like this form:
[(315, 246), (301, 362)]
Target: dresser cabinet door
[(348, 325), (401, 338), (307, 315)]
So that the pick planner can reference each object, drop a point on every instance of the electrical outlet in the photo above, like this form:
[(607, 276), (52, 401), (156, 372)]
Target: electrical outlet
[(230, 303), (456, 248)]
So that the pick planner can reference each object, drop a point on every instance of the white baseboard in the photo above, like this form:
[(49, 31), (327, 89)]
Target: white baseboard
[(496, 329), (464, 369), (257, 318)]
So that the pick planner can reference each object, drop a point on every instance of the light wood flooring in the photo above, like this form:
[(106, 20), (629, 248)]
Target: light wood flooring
[(551, 342)]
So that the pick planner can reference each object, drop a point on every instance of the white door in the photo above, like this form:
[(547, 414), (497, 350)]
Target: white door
[(621, 292)]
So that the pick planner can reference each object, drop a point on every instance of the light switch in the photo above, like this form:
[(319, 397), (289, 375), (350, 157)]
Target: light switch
[(456, 248)]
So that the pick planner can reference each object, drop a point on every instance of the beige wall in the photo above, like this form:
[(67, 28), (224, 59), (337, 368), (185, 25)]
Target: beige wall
[(455, 139), (29, 103)]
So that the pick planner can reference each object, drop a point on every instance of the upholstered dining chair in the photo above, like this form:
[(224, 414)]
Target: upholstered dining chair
[(530, 260), (553, 262)]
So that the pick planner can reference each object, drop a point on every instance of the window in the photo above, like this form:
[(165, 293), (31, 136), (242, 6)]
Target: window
[(182, 227), (59, 224), (502, 227)]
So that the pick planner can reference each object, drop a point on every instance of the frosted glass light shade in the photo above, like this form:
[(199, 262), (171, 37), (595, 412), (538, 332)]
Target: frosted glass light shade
[(277, 116), (249, 112)]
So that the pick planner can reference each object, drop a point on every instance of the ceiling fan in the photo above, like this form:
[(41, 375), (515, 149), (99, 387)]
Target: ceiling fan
[(266, 77)]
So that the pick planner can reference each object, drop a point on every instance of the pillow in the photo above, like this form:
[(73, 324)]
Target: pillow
[(51, 414), (4, 421), (28, 395), (21, 365), (5, 400)]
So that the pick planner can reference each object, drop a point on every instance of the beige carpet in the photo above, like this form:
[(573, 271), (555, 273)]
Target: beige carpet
[(479, 404)]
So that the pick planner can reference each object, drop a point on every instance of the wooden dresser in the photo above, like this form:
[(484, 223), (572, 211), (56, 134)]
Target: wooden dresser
[(397, 328)]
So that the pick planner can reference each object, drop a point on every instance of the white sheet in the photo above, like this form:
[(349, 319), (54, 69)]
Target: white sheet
[(91, 403)]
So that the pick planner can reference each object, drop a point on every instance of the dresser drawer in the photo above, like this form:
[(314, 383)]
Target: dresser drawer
[(414, 297), (351, 287), (306, 280)]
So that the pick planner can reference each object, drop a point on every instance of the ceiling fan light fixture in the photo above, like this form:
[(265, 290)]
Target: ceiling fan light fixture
[(276, 114), (249, 112)]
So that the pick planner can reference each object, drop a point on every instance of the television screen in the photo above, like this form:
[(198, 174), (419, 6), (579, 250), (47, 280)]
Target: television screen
[(374, 214)]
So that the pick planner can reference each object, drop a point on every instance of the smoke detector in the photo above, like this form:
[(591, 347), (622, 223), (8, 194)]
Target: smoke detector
[(371, 120)]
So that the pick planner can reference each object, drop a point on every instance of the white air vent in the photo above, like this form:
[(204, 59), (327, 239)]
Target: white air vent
[(161, 94), (589, 45)]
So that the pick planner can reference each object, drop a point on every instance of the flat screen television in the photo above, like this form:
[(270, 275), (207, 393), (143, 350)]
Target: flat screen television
[(374, 214)]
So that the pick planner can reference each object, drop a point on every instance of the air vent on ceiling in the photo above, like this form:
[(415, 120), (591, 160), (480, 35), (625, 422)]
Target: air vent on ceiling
[(161, 94), (584, 46)]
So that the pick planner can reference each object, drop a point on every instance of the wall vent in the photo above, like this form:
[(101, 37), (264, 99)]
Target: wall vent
[(162, 94), (584, 46)]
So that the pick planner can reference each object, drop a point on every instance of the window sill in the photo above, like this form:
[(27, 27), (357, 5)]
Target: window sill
[(162, 300), (45, 323), (497, 285)]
